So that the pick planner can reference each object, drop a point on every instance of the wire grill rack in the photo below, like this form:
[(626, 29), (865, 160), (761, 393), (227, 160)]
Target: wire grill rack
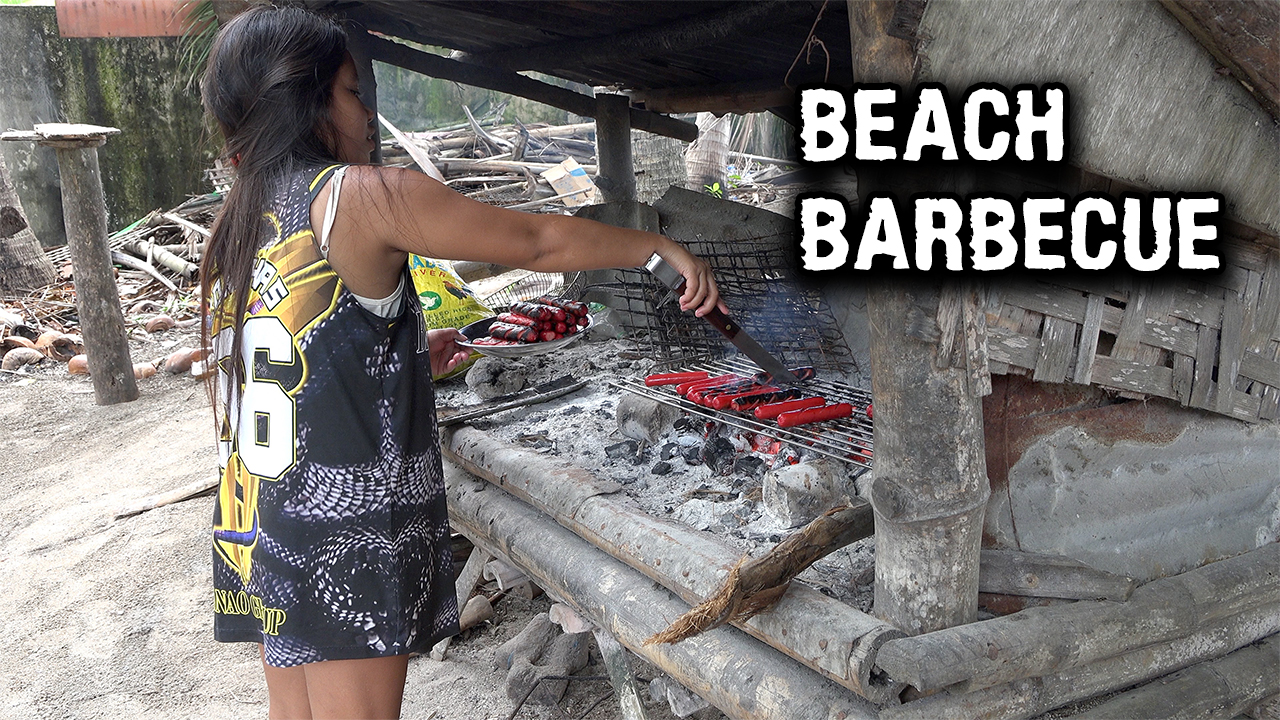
[(760, 288), (848, 439)]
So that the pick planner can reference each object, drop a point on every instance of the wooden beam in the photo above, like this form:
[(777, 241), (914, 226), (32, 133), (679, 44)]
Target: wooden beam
[(718, 99), (1010, 572), (682, 34), (394, 53), (1243, 35)]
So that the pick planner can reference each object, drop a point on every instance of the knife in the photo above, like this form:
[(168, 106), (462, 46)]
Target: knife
[(671, 278)]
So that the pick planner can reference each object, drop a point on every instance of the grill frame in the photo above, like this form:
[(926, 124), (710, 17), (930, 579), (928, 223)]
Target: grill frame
[(836, 439)]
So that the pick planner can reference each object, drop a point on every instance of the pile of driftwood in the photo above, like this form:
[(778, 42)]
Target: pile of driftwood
[(157, 259)]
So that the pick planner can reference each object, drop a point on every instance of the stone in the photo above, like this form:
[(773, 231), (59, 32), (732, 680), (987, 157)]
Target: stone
[(644, 419), (493, 377), (796, 494)]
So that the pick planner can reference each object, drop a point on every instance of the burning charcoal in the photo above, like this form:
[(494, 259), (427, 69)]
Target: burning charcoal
[(669, 451), (624, 449), (692, 455), (662, 467), (749, 467), (718, 453)]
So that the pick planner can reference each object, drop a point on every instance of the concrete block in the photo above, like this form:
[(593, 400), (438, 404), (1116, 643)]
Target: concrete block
[(491, 377), (643, 419), (796, 494)]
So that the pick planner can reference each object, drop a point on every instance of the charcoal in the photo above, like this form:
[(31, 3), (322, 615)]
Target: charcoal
[(749, 467), (669, 450), (626, 448), (685, 423), (662, 467), (692, 455), (718, 454)]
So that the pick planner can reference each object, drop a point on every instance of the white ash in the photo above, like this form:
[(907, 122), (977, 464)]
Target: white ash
[(582, 427)]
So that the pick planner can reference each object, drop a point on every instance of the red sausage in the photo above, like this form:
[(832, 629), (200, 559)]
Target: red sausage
[(549, 335), (506, 331), (675, 378), (686, 388), (826, 412), (870, 412), (746, 403), (516, 319), (721, 402), (773, 410)]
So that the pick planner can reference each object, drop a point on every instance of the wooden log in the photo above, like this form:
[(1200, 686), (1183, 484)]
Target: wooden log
[(463, 586), (147, 249), (97, 298), (617, 176), (744, 678), (1031, 697), (1224, 687), (827, 635), (1039, 641), (129, 261), (1010, 572), (477, 610), (621, 676)]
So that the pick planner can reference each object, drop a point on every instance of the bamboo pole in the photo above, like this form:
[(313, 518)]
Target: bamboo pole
[(834, 639), (1042, 640), (1030, 697), (745, 679), (1224, 687)]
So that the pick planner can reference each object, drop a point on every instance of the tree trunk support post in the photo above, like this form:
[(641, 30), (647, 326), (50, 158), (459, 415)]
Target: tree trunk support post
[(616, 176), (620, 675), (931, 486), (84, 213)]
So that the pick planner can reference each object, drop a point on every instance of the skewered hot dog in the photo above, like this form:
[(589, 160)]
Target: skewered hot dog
[(817, 414), (516, 319), (572, 307), (751, 401), (773, 410), (675, 378), (720, 402), (685, 388), (538, 312), (506, 331)]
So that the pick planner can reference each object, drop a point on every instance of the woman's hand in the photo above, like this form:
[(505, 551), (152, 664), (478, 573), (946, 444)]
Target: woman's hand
[(445, 353), (700, 291)]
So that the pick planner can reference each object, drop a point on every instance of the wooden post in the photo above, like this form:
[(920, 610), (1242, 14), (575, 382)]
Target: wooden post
[(620, 675), (931, 487), (97, 298), (616, 176)]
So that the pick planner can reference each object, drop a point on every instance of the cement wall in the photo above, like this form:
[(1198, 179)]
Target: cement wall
[(130, 83)]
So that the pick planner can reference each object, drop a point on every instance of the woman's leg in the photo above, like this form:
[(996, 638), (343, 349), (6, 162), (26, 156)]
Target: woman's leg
[(369, 689), (286, 692)]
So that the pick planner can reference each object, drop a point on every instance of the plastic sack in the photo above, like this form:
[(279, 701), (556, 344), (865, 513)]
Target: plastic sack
[(447, 301)]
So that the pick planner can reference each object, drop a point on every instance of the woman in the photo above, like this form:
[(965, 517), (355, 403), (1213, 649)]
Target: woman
[(330, 532)]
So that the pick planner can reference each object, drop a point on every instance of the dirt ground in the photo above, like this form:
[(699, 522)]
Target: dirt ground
[(113, 618)]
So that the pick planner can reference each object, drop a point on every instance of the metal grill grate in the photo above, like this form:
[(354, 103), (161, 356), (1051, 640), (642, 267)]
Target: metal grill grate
[(792, 322), (848, 439)]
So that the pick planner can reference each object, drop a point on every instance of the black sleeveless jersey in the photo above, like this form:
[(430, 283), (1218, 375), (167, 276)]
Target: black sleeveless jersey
[(330, 534)]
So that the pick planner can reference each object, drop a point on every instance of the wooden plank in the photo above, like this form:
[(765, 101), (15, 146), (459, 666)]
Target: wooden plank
[(1222, 688), (1206, 355), (949, 314), (1038, 641), (1057, 348), (1135, 318), (977, 358), (1136, 376), (1265, 325), (185, 492), (1089, 339), (1011, 572), (1241, 36), (1229, 347), (1007, 346)]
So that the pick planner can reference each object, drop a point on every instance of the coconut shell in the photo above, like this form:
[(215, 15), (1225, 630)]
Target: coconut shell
[(58, 346), (16, 341), (160, 323), (180, 361), (143, 370), (18, 357), (78, 365)]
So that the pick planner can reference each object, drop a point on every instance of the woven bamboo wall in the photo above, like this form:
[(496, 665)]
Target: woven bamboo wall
[(1213, 345)]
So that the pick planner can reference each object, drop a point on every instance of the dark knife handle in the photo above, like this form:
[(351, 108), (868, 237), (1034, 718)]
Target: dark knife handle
[(723, 323)]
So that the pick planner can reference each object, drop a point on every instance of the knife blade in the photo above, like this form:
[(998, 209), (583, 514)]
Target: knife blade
[(671, 278)]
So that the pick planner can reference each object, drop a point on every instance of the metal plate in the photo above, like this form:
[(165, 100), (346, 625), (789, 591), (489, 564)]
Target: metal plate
[(480, 328)]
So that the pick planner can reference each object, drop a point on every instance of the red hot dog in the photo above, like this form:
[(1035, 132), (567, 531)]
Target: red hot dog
[(773, 410), (817, 414)]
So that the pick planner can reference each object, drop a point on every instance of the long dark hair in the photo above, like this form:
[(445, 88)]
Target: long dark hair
[(268, 86)]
